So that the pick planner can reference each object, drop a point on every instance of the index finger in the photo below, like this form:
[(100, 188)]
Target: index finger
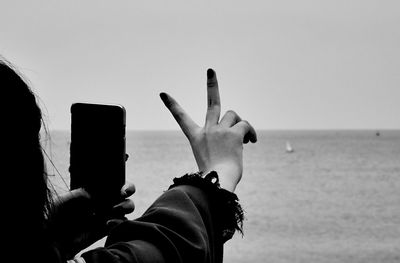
[(213, 100), (187, 125)]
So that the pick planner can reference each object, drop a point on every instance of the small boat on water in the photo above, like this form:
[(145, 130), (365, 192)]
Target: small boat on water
[(289, 148)]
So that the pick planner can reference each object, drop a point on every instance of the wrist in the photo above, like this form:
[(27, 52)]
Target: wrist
[(228, 175)]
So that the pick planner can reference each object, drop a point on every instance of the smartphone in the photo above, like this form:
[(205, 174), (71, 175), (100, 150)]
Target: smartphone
[(97, 150)]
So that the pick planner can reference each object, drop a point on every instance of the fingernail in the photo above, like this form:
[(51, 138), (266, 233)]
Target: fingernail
[(165, 99), (129, 190), (210, 73), (163, 96), (124, 193)]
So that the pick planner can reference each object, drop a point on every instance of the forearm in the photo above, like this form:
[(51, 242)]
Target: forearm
[(183, 225), (176, 228)]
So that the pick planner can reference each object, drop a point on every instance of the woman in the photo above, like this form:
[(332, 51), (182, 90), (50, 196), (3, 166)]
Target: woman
[(188, 223)]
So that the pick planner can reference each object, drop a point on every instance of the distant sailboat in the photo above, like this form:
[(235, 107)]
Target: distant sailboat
[(289, 148)]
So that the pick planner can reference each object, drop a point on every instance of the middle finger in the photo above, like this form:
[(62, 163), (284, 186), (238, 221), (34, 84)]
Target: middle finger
[(213, 100)]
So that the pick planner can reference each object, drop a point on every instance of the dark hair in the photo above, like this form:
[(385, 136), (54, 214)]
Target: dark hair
[(27, 199)]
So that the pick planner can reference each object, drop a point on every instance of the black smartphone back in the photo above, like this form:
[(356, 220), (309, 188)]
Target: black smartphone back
[(97, 150)]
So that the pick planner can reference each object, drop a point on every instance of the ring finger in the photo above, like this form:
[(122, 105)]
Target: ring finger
[(230, 118)]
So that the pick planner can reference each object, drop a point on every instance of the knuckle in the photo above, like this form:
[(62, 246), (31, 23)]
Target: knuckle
[(212, 83), (231, 112), (212, 103), (247, 123)]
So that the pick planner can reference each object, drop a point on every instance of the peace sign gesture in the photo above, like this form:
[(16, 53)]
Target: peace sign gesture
[(218, 146)]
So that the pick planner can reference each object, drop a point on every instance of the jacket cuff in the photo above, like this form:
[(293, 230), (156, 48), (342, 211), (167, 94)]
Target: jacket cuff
[(228, 212)]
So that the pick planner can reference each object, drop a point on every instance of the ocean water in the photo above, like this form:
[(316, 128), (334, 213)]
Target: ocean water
[(336, 198)]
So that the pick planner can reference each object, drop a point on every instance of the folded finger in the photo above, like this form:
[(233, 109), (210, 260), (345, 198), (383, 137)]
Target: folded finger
[(246, 139), (247, 131), (182, 118), (127, 190), (213, 99), (113, 223), (229, 119), (125, 207)]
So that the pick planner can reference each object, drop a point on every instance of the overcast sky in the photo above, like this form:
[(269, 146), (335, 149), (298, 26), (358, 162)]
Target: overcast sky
[(281, 64)]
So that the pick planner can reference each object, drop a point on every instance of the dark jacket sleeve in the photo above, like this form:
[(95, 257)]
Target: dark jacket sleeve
[(180, 226)]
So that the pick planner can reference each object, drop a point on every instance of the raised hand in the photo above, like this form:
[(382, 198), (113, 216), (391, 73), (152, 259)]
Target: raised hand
[(218, 145)]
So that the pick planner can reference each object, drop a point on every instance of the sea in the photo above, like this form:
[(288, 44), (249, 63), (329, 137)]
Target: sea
[(335, 198)]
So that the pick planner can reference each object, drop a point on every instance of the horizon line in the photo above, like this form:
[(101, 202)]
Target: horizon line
[(264, 129)]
